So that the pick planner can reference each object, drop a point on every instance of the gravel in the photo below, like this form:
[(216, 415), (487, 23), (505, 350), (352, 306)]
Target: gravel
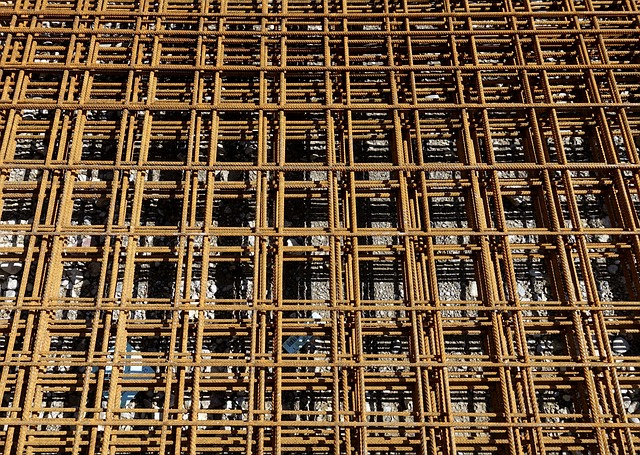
[(12, 268), (620, 346)]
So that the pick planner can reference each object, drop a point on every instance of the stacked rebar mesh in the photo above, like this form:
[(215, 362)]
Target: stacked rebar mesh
[(342, 227)]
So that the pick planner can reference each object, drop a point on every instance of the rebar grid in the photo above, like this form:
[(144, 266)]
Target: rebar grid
[(348, 227)]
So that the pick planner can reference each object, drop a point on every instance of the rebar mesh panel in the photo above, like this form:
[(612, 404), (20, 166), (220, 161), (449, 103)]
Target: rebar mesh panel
[(285, 227)]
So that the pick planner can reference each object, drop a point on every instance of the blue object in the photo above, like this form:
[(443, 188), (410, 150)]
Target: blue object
[(294, 344), (129, 372)]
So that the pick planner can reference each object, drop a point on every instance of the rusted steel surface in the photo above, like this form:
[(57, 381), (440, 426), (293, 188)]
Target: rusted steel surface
[(346, 227)]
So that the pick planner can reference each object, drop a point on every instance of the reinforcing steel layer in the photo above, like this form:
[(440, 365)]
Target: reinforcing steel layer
[(343, 227)]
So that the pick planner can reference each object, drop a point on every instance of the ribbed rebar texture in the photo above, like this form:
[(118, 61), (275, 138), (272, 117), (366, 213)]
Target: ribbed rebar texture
[(320, 226)]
